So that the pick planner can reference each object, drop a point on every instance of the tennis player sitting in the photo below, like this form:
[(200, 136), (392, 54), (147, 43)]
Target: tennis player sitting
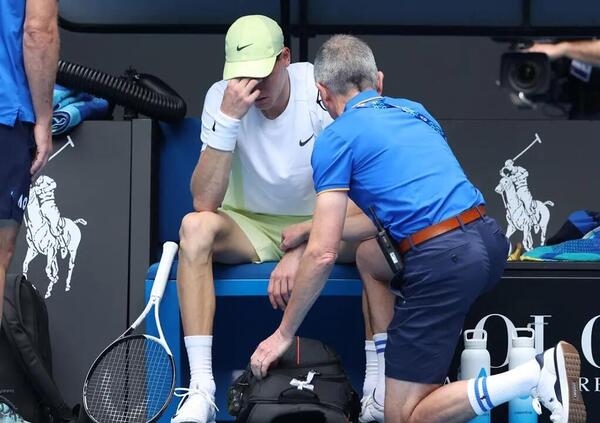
[(252, 190)]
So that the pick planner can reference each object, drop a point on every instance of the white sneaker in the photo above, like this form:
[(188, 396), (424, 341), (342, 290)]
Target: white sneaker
[(196, 406), (370, 410), (558, 387), (8, 414)]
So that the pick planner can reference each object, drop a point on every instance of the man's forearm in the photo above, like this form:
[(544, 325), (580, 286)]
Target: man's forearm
[(312, 274), (40, 55), (210, 179), (585, 51), (357, 227)]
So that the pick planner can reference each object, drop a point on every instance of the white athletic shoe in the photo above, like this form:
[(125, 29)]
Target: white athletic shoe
[(370, 410), (8, 414), (558, 387), (196, 406)]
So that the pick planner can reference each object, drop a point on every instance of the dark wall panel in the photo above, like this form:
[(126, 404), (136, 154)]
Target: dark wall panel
[(92, 195), (455, 77)]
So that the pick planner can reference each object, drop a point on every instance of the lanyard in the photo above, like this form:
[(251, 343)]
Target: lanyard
[(378, 103)]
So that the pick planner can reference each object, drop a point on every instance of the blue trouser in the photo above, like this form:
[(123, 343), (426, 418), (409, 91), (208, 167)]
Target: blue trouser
[(442, 278), (17, 148)]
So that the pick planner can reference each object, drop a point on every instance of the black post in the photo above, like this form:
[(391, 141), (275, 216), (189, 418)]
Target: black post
[(285, 22), (303, 32)]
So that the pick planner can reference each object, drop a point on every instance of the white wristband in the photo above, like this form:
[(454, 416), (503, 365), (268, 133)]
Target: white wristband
[(223, 134)]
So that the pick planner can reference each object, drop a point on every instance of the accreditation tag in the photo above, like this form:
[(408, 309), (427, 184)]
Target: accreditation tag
[(581, 70)]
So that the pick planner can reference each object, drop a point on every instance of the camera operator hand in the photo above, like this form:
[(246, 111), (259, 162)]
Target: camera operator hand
[(239, 96), (553, 51), (587, 51)]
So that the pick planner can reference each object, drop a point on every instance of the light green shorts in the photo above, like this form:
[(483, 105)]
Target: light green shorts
[(263, 230)]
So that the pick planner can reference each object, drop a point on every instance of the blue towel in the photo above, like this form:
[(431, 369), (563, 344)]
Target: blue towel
[(72, 108), (585, 249), (61, 93)]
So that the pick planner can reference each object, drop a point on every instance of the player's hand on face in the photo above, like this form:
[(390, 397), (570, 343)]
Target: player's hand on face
[(283, 277), (240, 95), (268, 352)]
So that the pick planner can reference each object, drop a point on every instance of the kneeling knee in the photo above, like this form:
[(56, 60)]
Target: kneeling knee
[(418, 416), (369, 258), (364, 250)]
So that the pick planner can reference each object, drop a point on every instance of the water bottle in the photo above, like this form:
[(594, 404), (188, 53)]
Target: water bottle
[(520, 410), (475, 362)]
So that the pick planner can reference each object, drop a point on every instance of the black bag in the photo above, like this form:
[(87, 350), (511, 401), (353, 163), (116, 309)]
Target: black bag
[(25, 356), (326, 395)]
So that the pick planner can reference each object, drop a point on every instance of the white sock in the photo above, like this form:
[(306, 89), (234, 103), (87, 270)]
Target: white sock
[(199, 350), (486, 393), (371, 368), (380, 339)]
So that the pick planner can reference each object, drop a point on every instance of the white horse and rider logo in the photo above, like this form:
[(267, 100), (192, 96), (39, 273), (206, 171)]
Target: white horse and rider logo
[(48, 232), (523, 213)]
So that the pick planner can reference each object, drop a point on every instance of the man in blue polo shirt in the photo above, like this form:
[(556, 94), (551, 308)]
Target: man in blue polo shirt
[(29, 43), (391, 156)]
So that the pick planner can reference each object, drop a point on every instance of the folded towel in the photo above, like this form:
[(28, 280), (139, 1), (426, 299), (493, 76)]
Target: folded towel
[(72, 108), (61, 93)]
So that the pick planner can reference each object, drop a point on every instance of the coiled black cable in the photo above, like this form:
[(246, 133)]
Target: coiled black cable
[(143, 93)]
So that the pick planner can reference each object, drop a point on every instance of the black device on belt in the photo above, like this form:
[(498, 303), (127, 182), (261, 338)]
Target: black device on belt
[(388, 247)]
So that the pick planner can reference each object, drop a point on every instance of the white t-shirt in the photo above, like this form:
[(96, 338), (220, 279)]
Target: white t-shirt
[(271, 171)]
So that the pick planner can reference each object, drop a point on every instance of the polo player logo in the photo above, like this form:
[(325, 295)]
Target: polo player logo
[(523, 212), (48, 233)]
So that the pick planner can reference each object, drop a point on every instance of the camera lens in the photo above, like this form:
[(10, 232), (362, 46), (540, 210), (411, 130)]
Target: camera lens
[(525, 75)]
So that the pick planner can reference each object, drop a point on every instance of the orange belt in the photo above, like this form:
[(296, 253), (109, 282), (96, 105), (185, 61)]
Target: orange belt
[(438, 229)]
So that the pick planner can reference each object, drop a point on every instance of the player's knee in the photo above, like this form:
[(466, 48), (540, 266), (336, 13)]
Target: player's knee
[(199, 229)]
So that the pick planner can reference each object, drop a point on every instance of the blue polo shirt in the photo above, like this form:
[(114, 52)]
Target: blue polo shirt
[(15, 99), (391, 154)]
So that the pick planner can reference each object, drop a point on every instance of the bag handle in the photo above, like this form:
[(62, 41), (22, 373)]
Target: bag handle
[(284, 397)]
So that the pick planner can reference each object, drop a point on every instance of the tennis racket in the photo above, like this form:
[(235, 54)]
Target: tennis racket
[(133, 379)]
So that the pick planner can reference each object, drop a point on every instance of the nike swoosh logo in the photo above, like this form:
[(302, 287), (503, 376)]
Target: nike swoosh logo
[(303, 143), (214, 126), (243, 47)]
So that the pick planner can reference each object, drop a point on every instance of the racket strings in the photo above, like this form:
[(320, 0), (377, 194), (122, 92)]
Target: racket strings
[(131, 383)]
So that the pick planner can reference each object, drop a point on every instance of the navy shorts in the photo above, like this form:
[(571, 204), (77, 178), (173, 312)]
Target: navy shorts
[(442, 279), (17, 148)]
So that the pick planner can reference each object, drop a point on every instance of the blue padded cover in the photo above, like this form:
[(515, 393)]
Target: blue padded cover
[(255, 271)]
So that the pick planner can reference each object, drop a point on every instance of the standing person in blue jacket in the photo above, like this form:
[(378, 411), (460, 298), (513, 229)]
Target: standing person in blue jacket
[(392, 156), (29, 43)]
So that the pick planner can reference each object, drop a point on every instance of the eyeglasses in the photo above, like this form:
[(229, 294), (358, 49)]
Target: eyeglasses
[(320, 101)]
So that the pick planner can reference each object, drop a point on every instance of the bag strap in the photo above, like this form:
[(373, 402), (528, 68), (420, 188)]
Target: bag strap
[(24, 349)]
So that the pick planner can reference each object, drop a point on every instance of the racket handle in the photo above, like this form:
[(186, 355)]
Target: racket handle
[(164, 267)]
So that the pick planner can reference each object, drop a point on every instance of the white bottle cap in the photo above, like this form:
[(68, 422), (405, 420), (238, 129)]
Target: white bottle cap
[(475, 339), (525, 341)]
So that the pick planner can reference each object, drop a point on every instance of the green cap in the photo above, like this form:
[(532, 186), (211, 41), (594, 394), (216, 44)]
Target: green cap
[(252, 44)]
